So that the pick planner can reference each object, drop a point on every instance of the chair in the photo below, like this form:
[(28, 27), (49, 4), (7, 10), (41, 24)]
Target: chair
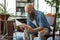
[(52, 22), (8, 29)]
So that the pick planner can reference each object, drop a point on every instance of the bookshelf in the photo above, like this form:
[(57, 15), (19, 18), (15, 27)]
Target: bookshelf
[(20, 4), (20, 11)]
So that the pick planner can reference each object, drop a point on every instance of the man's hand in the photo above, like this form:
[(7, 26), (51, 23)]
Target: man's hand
[(42, 31), (25, 27), (29, 28), (21, 28), (38, 29)]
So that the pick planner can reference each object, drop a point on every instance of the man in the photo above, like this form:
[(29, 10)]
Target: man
[(37, 22)]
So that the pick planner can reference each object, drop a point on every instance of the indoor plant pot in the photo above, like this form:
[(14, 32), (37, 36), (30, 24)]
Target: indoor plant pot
[(4, 17)]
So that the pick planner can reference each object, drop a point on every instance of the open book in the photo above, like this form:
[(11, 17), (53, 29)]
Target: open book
[(18, 23)]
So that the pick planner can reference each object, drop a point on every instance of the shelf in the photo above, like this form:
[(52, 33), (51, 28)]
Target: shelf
[(19, 7), (21, 2), (16, 16)]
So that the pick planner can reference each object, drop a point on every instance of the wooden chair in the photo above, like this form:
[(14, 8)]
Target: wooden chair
[(10, 29), (52, 22)]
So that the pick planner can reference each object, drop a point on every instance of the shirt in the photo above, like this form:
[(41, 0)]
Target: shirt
[(34, 22), (40, 19)]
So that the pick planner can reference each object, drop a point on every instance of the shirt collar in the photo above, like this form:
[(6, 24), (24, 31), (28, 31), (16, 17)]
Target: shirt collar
[(35, 12)]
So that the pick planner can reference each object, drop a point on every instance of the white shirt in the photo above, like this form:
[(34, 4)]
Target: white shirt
[(34, 22)]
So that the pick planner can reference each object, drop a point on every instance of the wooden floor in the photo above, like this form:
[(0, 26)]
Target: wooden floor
[(3, 38)]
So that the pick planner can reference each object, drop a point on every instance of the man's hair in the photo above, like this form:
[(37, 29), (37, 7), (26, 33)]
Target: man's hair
[(29, 5)]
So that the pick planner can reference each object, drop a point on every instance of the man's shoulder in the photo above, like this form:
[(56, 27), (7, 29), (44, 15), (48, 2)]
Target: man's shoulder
[(38, 12)]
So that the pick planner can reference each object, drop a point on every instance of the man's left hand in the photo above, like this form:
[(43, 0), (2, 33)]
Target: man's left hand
[(29, 28)]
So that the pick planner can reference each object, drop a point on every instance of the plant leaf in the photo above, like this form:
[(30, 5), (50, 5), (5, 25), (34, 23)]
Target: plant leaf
[(2, 6)]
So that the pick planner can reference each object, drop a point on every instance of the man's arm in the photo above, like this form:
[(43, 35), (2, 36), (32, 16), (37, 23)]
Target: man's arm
[(38, 29), (35, 29)]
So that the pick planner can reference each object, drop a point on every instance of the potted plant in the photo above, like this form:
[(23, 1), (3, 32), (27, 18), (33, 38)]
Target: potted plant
[(54, 3), (3, 13)]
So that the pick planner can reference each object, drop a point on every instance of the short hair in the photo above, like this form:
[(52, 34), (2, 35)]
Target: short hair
[(29, 5)]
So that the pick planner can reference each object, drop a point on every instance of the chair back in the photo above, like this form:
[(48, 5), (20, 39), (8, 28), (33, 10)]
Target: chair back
[(51, 20)]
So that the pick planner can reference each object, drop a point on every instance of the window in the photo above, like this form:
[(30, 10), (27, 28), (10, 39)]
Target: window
[(43, 6)]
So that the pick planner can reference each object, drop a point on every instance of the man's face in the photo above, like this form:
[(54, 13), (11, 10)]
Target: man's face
[(29, 10)]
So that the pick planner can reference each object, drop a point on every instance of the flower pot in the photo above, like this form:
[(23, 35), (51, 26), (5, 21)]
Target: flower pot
[(4, 16)]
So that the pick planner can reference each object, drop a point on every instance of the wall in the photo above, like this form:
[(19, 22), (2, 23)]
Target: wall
[(11, 4), (1, 1)]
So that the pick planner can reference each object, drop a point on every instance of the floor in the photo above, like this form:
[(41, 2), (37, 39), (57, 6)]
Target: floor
[(50, 38), (5, 38), (56, 38)]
